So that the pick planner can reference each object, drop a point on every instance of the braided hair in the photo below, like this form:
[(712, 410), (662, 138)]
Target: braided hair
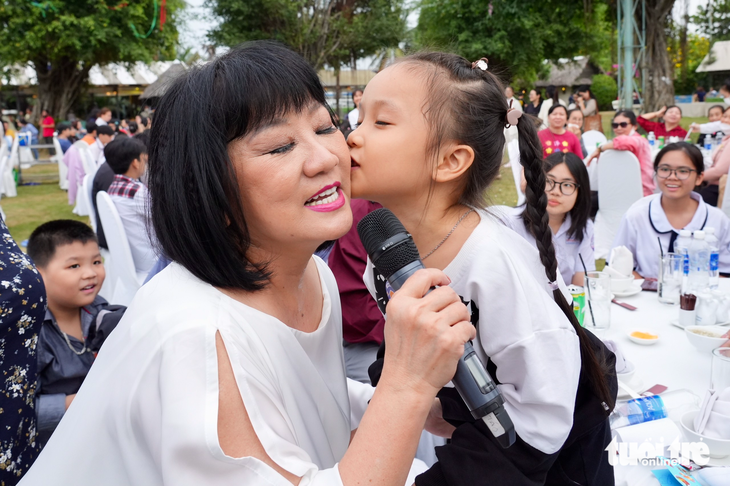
[(468, 105)]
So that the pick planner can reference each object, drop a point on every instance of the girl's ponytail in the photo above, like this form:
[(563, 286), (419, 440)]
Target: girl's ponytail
[(536, 221)]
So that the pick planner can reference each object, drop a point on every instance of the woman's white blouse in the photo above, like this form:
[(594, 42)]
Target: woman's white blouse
[(568, 250), (645, 221), (147, 412)]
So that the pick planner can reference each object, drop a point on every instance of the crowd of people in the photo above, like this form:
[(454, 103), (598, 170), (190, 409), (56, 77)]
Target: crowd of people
[(256, 351)]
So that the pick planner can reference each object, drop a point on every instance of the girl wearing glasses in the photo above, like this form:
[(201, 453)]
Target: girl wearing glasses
[(627, 138), (678, 169), (568, 207)]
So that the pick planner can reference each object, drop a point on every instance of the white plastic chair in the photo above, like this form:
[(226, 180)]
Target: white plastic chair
[(591, 138), (83, 204), (86, 158), (86, 187), (83, 197), (513, 150), (619, 186), (126, 280), (8, 181), (62, 169)]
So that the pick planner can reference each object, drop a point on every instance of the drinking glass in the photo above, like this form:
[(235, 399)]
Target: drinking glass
[(598, 300), (720, 378), (670, 277)]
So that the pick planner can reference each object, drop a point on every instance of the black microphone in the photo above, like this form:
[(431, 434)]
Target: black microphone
[(394, 254)]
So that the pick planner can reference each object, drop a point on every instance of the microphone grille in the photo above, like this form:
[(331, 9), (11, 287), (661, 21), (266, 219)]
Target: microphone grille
[(374, 230)]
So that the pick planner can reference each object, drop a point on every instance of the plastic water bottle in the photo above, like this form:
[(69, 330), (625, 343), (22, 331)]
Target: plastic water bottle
[(709, 143), (638, 410), (714, 266), (652, 139), (661, 142), (699, 262), (681, 247)]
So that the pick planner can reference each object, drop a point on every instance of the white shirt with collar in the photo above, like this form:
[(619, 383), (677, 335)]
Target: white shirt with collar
[(97, 152), (646, 220), (100, 122), (567, 249)]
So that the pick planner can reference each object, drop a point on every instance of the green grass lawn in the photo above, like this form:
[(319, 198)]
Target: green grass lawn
[(35, 205)]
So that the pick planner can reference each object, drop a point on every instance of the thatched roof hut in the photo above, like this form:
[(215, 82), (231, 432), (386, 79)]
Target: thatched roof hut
[(158, 88), (569, 73)]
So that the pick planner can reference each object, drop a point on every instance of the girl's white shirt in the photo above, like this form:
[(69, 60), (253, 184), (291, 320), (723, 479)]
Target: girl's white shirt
[(147, 412), (646, 220), (520, 328), (352, 118), (567, 249)]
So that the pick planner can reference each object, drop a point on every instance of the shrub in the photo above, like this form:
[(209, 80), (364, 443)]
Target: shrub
[(605, 90)]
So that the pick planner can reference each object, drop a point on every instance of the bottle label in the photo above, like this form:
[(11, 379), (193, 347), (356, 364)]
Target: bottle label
[(685, 265), (646, 409), (714, 261)]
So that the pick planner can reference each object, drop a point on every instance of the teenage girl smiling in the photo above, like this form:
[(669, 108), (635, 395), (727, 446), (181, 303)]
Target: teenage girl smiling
[(568, 207), (679, 170), (429, 143)]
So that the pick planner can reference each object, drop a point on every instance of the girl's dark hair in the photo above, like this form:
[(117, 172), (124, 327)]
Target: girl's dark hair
[(585, 88), (720, 107), (132, 125), (582, 209), (353, 95), (144, 121), (196, 205), (628, 114), (551, 93), (689, 150), (555, 107), (468, 105), (576, 110)]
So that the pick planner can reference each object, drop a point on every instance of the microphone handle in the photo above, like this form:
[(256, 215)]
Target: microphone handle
[(472, 381)]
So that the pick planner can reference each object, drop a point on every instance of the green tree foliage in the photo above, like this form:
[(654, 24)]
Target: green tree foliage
[(332, 32), (696, 50), (517, 36), (63, 39), (605, 89), (713, 19)]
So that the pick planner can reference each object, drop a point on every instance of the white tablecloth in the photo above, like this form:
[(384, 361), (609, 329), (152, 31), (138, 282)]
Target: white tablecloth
[(672, 361)]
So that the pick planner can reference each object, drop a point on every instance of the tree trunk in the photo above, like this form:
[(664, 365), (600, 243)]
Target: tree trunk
[(659, 86), (337, 93), (60, 84)]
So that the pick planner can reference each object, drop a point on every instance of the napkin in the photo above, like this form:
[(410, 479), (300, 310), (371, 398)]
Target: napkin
[(713, 419), (622, 262), (662, 430), (621, 363)]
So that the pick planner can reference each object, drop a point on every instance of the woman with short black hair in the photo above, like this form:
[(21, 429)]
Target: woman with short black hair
[(228, 366)]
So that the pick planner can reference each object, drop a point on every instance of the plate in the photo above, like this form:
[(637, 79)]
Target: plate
[(643, 342), (721, 461), (633, 290), (675, 322)]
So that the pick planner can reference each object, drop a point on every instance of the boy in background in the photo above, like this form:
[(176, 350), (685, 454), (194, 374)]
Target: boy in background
[(127, 158), (77, 320)]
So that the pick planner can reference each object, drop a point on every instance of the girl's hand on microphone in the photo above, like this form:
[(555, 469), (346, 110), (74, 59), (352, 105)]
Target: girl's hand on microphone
[(425, 333)]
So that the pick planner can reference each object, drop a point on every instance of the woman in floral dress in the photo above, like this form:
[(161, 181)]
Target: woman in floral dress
[(22, 308)]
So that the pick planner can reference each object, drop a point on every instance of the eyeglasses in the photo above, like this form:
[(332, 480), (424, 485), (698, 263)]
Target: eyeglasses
[(682, 173), (621, 124), (567, 188)]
